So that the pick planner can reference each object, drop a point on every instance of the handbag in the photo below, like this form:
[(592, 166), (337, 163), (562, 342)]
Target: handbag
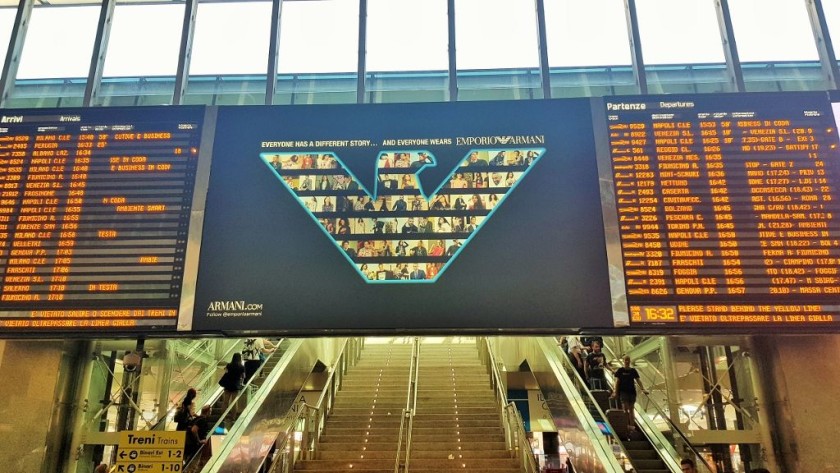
[(229, 383)]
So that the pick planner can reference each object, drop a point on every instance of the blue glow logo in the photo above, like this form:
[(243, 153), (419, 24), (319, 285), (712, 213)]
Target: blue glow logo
[(399, 233)]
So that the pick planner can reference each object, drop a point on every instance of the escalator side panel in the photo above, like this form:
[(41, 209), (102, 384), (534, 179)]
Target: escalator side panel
[(265, 417)]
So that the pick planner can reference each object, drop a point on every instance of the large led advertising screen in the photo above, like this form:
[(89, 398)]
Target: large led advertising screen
[(476, 216)]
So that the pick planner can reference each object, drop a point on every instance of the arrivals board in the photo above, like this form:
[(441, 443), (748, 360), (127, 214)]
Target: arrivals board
[(727, 208), (95, 211)]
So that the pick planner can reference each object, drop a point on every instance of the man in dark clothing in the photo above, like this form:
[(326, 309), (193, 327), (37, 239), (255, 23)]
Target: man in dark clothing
[(595, 365), (197, 435), (409, 226), (687, 466), (626, 379)]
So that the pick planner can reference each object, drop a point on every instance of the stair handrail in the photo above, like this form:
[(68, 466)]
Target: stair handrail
[(291, 447), (409, 410), (206, 441), (514, 427), (288, 446), (654, 434)]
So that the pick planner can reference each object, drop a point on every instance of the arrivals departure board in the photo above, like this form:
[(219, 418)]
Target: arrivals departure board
[(727, 208), (94, 216)]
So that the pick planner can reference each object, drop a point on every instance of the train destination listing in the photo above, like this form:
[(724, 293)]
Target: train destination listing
[(727, 210), (94, 213)]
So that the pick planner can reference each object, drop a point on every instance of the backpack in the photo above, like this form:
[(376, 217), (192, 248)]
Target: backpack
[(250, 351), (181, 416)]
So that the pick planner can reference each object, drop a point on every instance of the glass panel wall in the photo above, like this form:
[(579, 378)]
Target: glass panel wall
[(56, 55), (832, 17), (142, 57), (775, 41), (319, 50), (7, 22), (681, 56), (407, 51), (230, 54), (407, 43), (588, 50), (496, 50)]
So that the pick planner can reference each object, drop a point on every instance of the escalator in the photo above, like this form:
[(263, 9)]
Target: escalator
[(298, 374), (579, 416), (636, 445), (646, 448), (640, 451), (217, 410)]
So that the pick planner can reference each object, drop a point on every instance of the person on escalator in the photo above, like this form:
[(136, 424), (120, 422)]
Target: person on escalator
[(254, 354), (186, 411), (596, 363), (576, 355), (197, 437), (626, 379), (233, 381), (687, 466)]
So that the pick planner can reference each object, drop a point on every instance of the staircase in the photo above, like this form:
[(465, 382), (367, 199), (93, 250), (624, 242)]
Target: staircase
[(361, 434), (457, 425)]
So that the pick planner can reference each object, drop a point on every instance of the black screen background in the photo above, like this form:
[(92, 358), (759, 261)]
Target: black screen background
[(538, 263)]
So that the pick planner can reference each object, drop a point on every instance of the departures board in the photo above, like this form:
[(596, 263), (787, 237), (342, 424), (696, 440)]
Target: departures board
[(727, 208), (95, 208)]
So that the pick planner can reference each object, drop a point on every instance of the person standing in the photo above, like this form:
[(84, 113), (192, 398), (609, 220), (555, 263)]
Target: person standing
[(626, 379), (596, 363), (576, 355), (197, 437), (254, 354), (185, 413), (417, 273), (233, 381)]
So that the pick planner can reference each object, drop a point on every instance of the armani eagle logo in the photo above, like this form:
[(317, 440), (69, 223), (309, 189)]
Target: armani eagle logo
[(399, 233)]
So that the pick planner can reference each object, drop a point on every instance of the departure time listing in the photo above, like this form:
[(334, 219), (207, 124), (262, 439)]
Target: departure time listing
[(727, 210), (94, 214)]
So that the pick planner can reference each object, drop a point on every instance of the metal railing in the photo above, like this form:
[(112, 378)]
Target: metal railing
[(299, 440), (203, 382), (514, 429), (578, 393), (206, 385), (195, 462), (404, 438), (657, 438)]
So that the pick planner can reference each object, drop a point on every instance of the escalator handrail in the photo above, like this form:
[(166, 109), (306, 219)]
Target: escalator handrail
[(574, 377), (214, 396), (304, 408), (224, 415), (667, 418)]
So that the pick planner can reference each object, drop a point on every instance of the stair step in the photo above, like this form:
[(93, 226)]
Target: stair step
[(642, 454), (449, 438), (476, 446), (357, 446), (648, 464), (415, 455)]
